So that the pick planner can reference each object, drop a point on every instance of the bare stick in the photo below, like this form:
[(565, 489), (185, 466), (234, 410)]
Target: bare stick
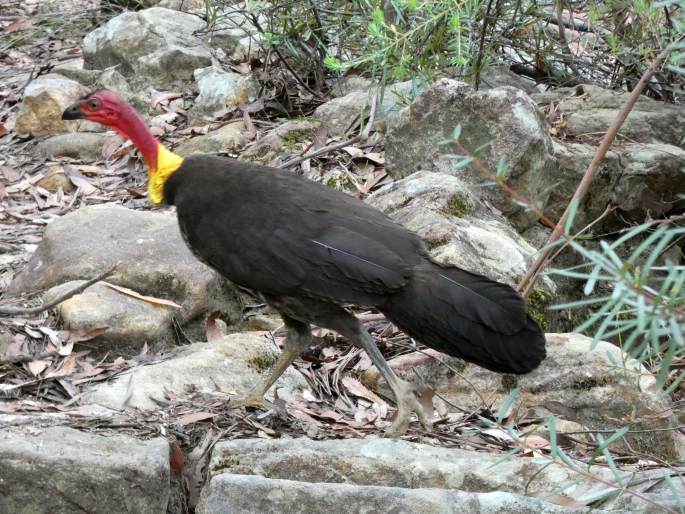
[(285, 62), (10, 310), (479, 59), (325, 149), (363, 136), (528, 280)]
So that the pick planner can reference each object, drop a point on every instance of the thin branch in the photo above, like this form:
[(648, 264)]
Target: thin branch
[(528, 281), (361, 137), (285, 62), (479, 59), (10, 310)]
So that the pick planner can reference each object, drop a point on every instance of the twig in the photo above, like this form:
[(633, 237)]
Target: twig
[(10, 310), (526, 284), (479, 60), (363, 136), (325, 149), (285, 62), (565, 48)]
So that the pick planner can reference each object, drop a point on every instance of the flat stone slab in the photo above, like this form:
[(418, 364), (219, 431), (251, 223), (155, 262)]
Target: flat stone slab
[(240, 494), (372, 464), (62, 470)]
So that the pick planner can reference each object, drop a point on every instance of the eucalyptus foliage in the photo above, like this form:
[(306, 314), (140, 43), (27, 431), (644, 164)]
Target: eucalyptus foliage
[(644, 309)]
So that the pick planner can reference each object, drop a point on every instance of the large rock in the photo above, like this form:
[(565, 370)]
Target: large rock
[(600, 388), (130, 321), (339, 113), (241, 494), (589, 111), (642, 180), (409, 466), (84, 146), (235, 364), (155, 47), (456, 227), (45, 99), (501, 75), (221, 92), (152, 256), (235, 34), (291, 135), (64, 470), (225, 139), (496, 123)]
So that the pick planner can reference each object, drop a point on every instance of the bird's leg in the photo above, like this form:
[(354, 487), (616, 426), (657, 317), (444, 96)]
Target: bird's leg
[(405, 393), (298, 339)]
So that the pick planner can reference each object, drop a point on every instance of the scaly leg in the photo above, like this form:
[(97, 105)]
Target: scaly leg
[(299, 338), (405, 394)]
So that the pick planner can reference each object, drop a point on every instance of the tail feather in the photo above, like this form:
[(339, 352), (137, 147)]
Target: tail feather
[(468, 316)]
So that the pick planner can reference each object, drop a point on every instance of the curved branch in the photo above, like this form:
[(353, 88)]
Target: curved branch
[(10, 310)]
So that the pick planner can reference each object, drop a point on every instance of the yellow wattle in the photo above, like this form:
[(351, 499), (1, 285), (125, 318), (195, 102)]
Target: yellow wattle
[(167, 163)]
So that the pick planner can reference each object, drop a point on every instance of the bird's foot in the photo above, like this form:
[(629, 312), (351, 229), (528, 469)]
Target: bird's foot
[(407, 404), (251, 399)]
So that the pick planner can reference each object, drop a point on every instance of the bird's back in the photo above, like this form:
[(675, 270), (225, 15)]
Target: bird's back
[(278, 233)]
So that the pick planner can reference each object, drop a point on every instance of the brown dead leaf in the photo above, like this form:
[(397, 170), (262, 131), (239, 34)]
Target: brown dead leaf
[(560, 409), (353, 151), (80, 181), (38, 366), (67, 367), (3, 130), (14, 348), (163, 98), (373, 179), (149, 299), (9, 173), (78, 336), (535, 442), (251, 129), (355, 387), (375, 157), (110, 147), (188, 419), (88, 169), (177, 460), (212, 331), (565, 501), (20, 24), (3, 193), (243, 68)]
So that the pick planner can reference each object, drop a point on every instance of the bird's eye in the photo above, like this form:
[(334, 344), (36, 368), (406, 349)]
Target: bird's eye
[(93, 104)]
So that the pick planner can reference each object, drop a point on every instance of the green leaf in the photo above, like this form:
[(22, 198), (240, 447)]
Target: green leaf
[(505, 408), (332, 63), (501, 168)]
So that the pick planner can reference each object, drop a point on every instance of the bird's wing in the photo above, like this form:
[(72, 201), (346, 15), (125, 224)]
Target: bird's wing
[(339, 264), (276, 233)]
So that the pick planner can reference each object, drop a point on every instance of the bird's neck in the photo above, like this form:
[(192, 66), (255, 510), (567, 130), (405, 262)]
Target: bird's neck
[(161, 163)]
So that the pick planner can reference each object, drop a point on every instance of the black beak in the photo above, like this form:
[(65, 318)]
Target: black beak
[(73, 113)]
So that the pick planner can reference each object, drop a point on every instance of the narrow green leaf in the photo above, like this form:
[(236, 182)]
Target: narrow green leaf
[(505, 408)]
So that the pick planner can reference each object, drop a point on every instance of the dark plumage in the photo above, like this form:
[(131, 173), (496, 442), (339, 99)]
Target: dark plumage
[(287, 237), (310, 251)]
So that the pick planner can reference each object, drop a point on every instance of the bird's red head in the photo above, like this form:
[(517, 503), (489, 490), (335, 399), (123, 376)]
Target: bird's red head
[(103, 106)]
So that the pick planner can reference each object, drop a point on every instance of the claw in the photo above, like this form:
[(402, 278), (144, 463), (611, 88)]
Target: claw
[(407, 404)]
